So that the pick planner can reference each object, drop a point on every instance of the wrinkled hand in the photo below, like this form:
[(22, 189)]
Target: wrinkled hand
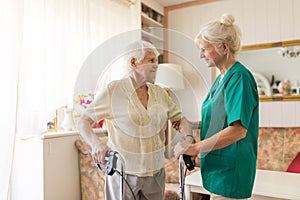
[(99, 152), (185, 147)]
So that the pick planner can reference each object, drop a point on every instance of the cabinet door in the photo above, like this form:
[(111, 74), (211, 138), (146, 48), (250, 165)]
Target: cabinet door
[(273, 18), (279, 114), (297, 110), (260, 21), (286, 20), (288, 114), (263, 118), (61, 171), (248, 22), (296, 18), (270, 114)]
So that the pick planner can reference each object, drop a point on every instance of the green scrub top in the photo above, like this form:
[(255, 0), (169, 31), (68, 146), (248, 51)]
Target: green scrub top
[(230, 171)]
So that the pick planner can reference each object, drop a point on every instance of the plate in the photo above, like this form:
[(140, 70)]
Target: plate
[(263, 84)]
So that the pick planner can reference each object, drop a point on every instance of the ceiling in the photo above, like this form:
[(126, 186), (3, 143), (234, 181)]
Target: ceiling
[(165, 3)]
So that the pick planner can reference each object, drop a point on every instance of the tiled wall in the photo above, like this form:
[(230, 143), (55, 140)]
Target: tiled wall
[(277, 147)]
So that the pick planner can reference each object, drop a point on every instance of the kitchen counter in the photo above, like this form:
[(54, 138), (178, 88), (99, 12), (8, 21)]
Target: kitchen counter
[(268, 185)]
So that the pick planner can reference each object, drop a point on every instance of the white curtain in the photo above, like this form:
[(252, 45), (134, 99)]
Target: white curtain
[(42, 47)]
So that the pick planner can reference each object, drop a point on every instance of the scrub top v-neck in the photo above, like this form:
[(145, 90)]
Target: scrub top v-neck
[(230, 171)]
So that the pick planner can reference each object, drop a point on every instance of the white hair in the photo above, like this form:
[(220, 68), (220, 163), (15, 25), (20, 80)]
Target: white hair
[(137, 50)]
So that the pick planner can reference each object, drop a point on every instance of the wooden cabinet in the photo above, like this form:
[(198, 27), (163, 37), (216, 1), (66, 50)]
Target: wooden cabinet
[(46, 167), (152, 19)]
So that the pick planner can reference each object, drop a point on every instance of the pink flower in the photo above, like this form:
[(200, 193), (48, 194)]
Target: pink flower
[(81, 101)]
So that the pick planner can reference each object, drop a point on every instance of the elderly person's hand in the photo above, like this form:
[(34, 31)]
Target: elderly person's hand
[(183, 126), (99, 151), (186, 146)]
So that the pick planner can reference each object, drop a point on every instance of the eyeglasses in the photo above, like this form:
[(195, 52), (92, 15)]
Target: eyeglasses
[(204, 49)]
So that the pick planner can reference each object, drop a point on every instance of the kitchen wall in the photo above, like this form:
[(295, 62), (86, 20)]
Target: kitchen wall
[(261, 21)]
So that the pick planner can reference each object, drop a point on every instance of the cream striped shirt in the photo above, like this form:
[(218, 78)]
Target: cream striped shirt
[(137, 133)]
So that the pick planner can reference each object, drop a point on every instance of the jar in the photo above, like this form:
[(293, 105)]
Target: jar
[(284, 87), (68, 121)]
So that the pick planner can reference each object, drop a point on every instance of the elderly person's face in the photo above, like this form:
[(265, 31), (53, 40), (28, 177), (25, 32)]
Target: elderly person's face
[(146, 69), (213, 55)]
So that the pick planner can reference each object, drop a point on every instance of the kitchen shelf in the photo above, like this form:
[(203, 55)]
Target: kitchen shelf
[(151, 36), (280, 98), (152, 25), (271, 45), (147, 21)]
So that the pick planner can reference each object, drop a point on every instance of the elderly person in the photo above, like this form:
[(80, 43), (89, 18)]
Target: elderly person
[(136, 112), (229, 126)]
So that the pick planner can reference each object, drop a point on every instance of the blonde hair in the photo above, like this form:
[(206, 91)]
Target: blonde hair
[(223, 30)]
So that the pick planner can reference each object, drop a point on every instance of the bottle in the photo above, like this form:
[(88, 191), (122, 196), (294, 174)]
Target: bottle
[(296, 88), (274, 88)]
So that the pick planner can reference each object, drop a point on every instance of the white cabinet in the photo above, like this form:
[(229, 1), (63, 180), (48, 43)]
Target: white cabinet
[(273, 28), (297, 115), (296, 18), (267, 21), (248, 22), (286, 22), (279, 114), (261, 21), (268, 185), (46, 168)]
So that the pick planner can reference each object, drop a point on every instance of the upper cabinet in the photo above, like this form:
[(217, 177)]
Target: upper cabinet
[(261, 21), (264, 21), (152, 19)]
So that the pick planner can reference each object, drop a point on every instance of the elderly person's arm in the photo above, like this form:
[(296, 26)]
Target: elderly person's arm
[(185, 126), (99, 147)]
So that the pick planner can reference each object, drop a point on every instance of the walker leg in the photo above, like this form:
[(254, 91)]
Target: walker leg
[(121, 186), (181, 177)]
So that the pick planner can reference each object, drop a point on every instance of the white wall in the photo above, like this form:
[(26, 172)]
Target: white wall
[(197, 76)]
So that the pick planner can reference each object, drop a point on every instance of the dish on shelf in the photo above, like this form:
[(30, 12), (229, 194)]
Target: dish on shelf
[(263, 84)]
